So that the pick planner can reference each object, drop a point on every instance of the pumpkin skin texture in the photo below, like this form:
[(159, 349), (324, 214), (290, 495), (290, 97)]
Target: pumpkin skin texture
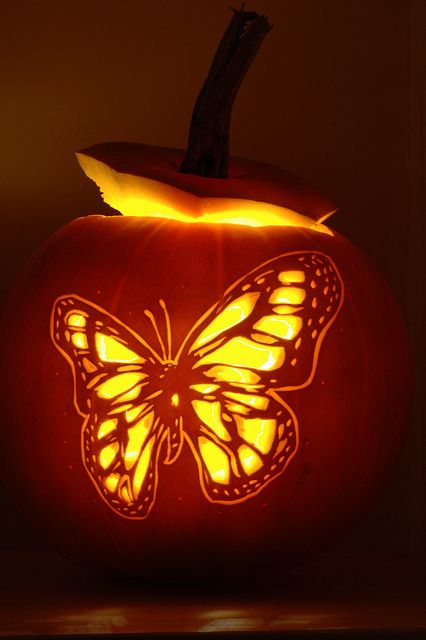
[(351, 416)]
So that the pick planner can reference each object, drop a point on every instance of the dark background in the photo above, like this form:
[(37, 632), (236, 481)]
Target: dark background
[(335, 95)]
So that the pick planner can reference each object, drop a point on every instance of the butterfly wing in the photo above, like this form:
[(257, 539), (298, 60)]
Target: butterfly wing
[(112, 368), (264, 336)]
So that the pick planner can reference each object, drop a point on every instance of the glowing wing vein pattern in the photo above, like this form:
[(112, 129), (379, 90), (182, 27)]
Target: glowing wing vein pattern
[(261, 340)]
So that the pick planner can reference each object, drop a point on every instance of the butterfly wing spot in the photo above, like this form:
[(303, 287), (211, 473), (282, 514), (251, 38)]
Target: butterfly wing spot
[(79, 340), (286, 327), (250, 460), (123, 385), (287, 295), (234, 313), (108, 454), (222, 373), (258, 432), (263, 339), (112, 350), (204, 388), (292, 276), (215, 460), (142, 467), (137, 434), (88, 365), (135, 412), (256, 401), (242, 352), (111, 482), (106, 427), (210, 415)]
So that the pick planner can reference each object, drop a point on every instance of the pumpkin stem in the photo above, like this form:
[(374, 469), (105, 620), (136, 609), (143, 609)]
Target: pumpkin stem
[(208, 141)]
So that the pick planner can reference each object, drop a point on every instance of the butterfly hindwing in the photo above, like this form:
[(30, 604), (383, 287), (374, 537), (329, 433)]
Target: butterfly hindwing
[(121, 435), (241, 447)]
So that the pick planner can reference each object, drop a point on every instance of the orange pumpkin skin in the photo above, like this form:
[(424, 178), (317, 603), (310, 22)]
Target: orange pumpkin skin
[(351, 417)]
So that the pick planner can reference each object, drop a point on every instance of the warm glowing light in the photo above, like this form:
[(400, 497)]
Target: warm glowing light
[(210, 415), (284, 309), (119, 384), (215, 460), (228, 407), (250, 461), (79, 340), (111, 481), (257, 432), (76, 320), (143, 197), (106, 427), (290, 277), (204, 389), (142, 467), (234, 313), (111, 350), (232, 374), (136, 438), (257, 402), (108, 454), (286, 327), (288, 295), (242, 352), (132, 414)]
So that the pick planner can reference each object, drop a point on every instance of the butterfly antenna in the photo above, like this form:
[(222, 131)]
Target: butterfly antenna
[(154, 324), (168, 328)]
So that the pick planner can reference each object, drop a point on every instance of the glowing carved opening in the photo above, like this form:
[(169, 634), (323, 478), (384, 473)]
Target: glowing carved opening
[(210, 414), (108, 454), (232, 374), (241, 352), (76, 320), (215, 460), (142, 467), (119, 384), (111, 481), (131, 414), (137, 436), (290, 277), (111, 350), (288, 295), (234, 313), (250, 461), (283, 327), (106, 427), (79, 340), (257, 432), (204, 388), (257, 402)]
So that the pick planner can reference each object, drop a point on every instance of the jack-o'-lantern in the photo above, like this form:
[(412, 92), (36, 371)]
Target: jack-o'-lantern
[(213, 382)]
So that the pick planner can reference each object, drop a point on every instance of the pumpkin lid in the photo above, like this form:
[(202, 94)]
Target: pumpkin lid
[(138, 179)]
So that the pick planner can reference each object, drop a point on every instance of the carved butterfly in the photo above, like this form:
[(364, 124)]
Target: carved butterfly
[(219, 393)]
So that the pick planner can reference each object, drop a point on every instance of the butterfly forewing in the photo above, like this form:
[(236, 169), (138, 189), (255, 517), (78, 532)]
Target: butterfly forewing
[(263, 337), (273, 322)]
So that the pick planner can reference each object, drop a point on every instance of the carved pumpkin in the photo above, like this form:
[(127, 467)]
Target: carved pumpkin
[(217, 385), (198, 394)]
